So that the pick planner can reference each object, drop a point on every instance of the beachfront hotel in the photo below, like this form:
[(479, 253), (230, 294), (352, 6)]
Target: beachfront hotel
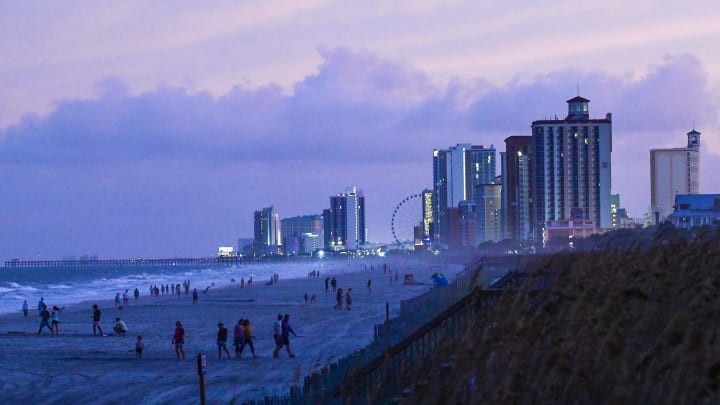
[(298, 230), (266, 232), (571, 167), (344, 221), (456, 173), (673, 171), (515, 168)]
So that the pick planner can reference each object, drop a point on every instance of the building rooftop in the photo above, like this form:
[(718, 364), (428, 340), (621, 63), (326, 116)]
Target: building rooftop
[(578, 99)]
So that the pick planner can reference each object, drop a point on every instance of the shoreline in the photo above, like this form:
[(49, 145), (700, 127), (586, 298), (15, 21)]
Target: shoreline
[(119, 278)]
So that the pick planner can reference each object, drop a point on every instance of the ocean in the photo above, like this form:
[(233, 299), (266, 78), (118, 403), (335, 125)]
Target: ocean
[(64, 286)]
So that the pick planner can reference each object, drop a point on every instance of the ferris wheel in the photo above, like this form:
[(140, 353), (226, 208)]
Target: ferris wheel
[(408, 215)]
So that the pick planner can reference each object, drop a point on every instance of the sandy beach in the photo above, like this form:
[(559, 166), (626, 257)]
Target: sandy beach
[(77, 367)]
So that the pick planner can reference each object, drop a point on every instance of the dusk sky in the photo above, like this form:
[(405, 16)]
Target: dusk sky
[(155, 129)]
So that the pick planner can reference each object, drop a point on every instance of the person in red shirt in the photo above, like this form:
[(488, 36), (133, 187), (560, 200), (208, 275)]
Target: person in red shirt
[(179, 340)]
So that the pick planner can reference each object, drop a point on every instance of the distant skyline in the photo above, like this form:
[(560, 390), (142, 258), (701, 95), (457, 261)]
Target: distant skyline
[(156, 130)]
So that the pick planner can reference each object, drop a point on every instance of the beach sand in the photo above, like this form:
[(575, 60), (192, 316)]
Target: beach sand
[(77, 367)]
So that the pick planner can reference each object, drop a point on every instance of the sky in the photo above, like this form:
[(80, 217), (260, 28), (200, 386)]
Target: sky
[(156, 129)]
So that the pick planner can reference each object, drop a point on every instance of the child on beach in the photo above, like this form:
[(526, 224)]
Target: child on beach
[(195, 296), (139, 348), (222, 337), (178, 340)]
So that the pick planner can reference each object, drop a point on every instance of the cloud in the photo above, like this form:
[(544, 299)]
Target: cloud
[(186, 169)]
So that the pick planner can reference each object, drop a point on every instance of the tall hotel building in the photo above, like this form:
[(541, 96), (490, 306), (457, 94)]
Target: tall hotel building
[(571, 168), (294, 230), (456, 172), (344, 221), (515, 165), (673, 171), (267, 232)]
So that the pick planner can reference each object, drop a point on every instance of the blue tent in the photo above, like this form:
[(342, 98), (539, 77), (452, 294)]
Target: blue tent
[(439, 280)]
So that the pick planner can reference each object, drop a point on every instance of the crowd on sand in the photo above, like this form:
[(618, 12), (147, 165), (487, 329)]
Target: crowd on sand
[(242, 331)]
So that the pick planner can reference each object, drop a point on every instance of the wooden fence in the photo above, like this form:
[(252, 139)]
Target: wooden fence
[(424, 323)]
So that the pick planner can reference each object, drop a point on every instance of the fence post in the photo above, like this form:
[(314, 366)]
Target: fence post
[(202, 370), (387, 325)]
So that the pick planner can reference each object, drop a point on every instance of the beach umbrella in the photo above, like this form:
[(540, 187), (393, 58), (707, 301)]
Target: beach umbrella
[(439, 280)]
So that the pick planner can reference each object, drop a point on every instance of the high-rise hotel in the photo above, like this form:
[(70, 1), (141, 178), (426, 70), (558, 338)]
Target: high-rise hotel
[(457, 171), (344, 221), (266, 231), (571, 168), (673, 171)]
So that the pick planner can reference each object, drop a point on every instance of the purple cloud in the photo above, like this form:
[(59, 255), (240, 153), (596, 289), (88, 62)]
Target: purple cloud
[(169, 172)]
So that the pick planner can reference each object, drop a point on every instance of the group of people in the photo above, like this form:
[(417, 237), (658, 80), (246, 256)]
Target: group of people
[(313, 299), (273, 279), (314, 274), (242, 336), (242, 282), (339, 299), (50, 320), (173, 289), (330, 282), (125, 300)]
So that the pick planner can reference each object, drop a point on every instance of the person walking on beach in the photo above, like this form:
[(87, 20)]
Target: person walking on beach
[(348, 299), (126, 298), (96, 320), (327, 284), (195, 296), (179, 340), (139, 346), (117, 300), (286, 331), (25, 308), (338, 298), (333, 283), (248, 338), (306, 298), (239, 337), (44, 320), (55, 321), (136, 294), (41, 305), (222, 337), (369, 286), (277, 335)]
